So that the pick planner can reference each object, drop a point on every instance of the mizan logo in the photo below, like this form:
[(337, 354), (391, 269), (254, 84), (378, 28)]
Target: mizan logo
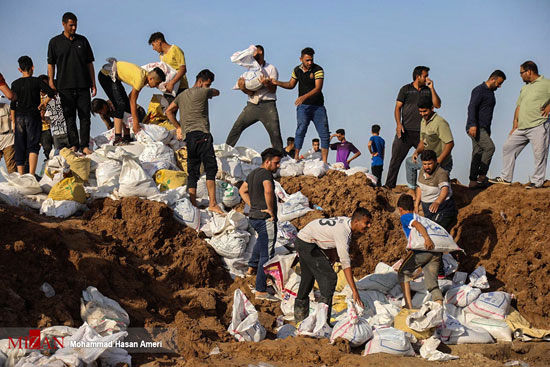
[(33, 341)]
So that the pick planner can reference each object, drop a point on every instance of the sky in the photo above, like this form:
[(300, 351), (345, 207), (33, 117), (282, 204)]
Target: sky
[(368, 50)]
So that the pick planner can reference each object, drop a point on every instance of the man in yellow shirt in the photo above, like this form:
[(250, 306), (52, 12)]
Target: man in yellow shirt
[(173, 56)]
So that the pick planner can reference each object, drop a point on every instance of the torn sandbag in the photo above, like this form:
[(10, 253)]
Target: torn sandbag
[(353, 327), (429, 351), (245, 325), (103, 314), (478, 278), (429, 316)]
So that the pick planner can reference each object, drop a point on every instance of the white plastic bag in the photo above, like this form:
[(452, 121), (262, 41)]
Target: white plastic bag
[(315, 325), (230, 194), (134, 181), (315, 168), (353, 327), (150, 133), (245, 325), (169, 73), (157, 152), (102, 313), (429, 316), (25, 184), (231, 243), (107, 173), (462, 296), (185, 212), (61, 208), (478, 278), (498, 329), (451, 332), (429, 351), (391, 341), (492, 305), (294, 207), (291, 168), (443, 241)]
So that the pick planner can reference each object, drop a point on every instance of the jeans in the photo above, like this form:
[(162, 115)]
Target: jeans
[(200, 149), (412, 169), (483, 149), (314, 265), (264, 249), (73, 100), (399, 150), (266, 112), (429, 262), (116, 93), (317, 114)]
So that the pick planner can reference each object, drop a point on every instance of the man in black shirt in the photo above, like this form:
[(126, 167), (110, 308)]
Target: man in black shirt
[(408, 119), (478, 127), (310, 102), (73, 56), (290, 150), (258, 192)]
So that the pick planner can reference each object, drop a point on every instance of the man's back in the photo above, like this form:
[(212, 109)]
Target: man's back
[(193, 106), (378, 146)]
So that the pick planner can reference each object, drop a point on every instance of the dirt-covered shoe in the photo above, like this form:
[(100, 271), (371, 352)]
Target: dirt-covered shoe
[(499, 180)]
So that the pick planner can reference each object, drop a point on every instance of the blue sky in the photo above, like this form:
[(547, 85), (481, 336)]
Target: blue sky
[(367, 48)]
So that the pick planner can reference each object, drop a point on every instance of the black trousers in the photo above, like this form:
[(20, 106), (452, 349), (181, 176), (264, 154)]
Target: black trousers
[(200, 149), (46, 141), (116, 93), (314, 265), (73, 100), (377, 172), (446, 215), (399, 151)]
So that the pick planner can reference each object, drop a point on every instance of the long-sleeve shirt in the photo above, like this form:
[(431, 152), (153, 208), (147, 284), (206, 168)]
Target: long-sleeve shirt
[(480, 109), (28, 90), (328, 234)]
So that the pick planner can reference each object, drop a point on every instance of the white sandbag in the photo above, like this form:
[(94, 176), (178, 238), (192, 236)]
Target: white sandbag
[(46, 182), (230, 167), (315, 168), (429, 351), (134, 181), (230, 194), (368, 297), (105, 138), (286, 330), (391, 341), (25, 184), (157, 152), (354, 170), (170, 197), (498, 329), (107, 173), (202, 192), (420, 298), (315, 325), (230, 221), (478, 278), (249, 155), (245, 325), (429, 316), (353, 327), (382, 282), (103, 314), (151, 133), (452, 332), (286, 233), (134, 149), (291, 168), (382, 315), (492, 305), (459, 278), (290, 291), (61, 208), (245, 58), (294, 207), (445, 285), (231, 243), (280, 268), (443, 241), (462, 296), (169, 73), (188, 214), (450, 265), (280, 192), (338, 166)]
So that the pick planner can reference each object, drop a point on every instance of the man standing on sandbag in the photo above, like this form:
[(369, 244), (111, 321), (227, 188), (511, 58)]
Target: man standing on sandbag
[(310, 104), (194, 128), (263, 108), (73, 56), (407, 117), (314, 242), (258, 192)]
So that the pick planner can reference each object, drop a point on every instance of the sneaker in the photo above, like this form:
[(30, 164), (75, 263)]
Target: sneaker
[(267, 297), (531, 185), (499, 180), (119, 142)]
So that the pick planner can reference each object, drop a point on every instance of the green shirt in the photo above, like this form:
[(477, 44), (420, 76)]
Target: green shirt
[(530, 101), (435, 133)]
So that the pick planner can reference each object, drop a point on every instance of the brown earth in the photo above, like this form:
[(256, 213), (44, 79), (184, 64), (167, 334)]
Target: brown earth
[(164, 275)]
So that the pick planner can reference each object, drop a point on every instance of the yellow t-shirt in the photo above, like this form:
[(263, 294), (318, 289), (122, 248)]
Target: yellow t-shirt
[(175, 58), (131, 74)]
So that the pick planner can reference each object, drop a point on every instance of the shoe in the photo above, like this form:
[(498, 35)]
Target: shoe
[(127, 139), (119, 142), (499, 180), (267, 297), (531, 185)]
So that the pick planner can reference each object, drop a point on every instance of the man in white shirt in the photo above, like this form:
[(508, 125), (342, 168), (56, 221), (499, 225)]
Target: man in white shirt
[(7, 150), (314, 152), (264, 110), (314, 244)]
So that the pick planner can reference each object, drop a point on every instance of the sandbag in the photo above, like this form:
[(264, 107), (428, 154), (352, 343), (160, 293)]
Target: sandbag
[(498, 329), (478, 278), (429, 351), (291, 168), (188, 214), (382, 315), (168, 179), (245, 325), (391, 341), (280, 268), (231, 221), (286, 330), (443, 241), (61, 208), (150, 168), (452, 332), (150, 133), (108, 173), (428, 317), (459, 278), (169, 73), (315, 168), (230, 166), (68, 189), (400, 322), (315, 325), (462, 296), (181, 159), (46, 182), (103, 314), (80, 166), (492, 305), (24, 184), (231, 243), (105, 138), (157, 152), (155, 109), (294, 207), (450, 265), (353, 327), (382, 282), (230, 194), (134, 181)]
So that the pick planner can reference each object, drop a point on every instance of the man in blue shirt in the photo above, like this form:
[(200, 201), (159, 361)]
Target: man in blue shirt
[(478, 127), (377, 147)]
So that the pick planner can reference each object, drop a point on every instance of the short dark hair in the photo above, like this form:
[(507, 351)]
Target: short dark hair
[(497, 74), (375, 129), (156, 36), (160, 73), (341, 131), (44, 78), (406, 202), (290, 139), (308, 51), (425, 102), (260, 47), (316, 140), (428, 155), (361, 212), (418, 71), (530, 65), (68, 16), (205, 75), (271, 153), (25, 63), (97, 105)]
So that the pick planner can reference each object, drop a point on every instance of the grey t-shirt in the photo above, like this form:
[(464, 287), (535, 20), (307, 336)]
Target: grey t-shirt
[(255, 181), (193, 106)]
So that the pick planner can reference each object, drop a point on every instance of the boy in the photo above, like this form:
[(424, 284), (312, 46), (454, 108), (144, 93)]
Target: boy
[(25, 114), (314, 152), (428, 261), (106, 111), (377, 147), (343, 148), (290, 150)]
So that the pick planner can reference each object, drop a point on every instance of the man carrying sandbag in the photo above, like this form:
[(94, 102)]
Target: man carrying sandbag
[(314, 242)]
